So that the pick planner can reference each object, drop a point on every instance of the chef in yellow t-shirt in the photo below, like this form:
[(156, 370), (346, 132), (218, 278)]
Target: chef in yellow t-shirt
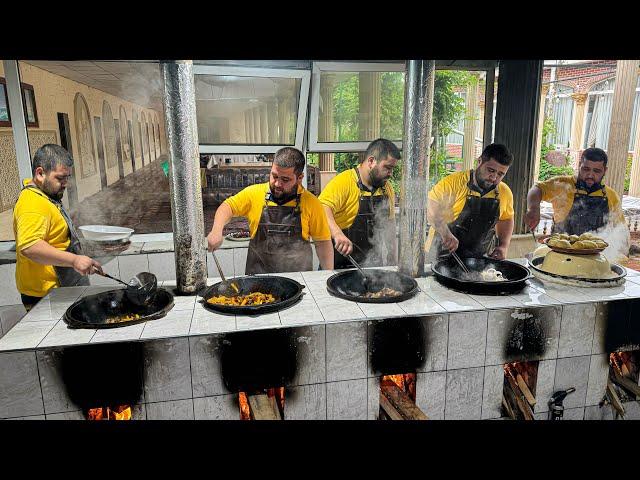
[(359, 204), (581, 203), (283, 218), (468, 211), (48, 252)]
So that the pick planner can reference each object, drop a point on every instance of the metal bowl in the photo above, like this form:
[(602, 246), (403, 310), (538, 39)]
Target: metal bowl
[(105, 233)]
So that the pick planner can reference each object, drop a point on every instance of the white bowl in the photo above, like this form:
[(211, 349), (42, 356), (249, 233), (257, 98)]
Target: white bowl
[(105, 233)]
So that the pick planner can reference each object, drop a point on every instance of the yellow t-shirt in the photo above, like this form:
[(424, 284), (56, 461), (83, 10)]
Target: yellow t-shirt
[(250, 201), (559, 191), (342, 195), (451, 193), (35, 218)]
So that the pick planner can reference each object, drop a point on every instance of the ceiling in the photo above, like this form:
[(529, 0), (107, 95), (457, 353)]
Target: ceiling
[(135, 81)]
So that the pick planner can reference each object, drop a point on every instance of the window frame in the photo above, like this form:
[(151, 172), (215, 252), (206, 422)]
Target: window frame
[(314, 113), (23, 87), (303, 98)]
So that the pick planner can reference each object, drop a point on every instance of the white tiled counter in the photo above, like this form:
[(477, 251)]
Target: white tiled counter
[(467, 340)]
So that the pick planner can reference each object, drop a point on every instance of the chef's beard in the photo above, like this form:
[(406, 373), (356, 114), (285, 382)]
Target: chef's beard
[(376, 181), (51, 192), (283, 197)]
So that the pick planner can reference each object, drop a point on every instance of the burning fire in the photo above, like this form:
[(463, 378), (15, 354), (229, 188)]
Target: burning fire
[(621, 362), (405, 382), (245, 409), (121, 412)]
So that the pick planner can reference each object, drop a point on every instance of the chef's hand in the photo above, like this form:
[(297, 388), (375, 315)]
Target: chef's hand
[(449, 240), (532, 218), (85, 265), (499, 253), (343, 244), (214, 240)]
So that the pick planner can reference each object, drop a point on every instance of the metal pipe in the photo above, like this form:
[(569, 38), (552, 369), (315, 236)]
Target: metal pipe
[(184, 174), (415, 169)]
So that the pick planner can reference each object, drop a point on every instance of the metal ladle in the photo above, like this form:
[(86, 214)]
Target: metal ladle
[(460, 262), (140, 289), (364, 276), (224, 280)]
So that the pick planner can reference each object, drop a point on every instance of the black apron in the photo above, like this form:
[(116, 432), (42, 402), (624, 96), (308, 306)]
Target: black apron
[(278, 245), (588, 213), (474, 227), (363, 229), (67, 276)]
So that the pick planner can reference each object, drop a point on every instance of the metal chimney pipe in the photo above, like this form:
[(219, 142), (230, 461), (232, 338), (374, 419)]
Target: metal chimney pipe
[(184, 174), (418, 110)]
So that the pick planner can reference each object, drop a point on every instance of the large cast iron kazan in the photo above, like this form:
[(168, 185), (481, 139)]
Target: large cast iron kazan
[(285, 290), (93, 311), (349, 285), (449, 274)]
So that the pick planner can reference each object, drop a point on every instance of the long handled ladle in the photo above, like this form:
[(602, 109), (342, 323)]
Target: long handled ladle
[(364, 276), (141, 293), (224, 280), (460, 262)]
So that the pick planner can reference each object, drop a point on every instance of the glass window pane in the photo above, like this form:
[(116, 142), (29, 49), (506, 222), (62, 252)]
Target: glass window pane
[(361, 106), (4, 108), (29, 101), (233, 110)]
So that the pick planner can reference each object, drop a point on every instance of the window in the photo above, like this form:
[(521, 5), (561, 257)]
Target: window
[(28, 100), (562, 114), (355, 103), (250, 110), (5, 119)]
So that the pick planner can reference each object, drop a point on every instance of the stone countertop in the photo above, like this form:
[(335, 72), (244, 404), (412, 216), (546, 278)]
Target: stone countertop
[(43, 328)]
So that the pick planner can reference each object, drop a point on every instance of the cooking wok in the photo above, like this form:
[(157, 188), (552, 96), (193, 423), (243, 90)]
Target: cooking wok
[(349, 285), (92, 311), (285, 290), (450, 274)]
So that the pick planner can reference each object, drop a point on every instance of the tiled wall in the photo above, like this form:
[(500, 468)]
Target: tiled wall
[(334, 378)]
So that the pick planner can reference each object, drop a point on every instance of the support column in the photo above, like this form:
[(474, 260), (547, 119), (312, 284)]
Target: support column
[(634, 182), (579, 107), (264, 123), (418, 111), (470, 123), (369, 101), (283, 120), (620, 131), (18, 123), (184, 174), (326, 132), (257, 134), (517, 112), (536, 158), (272, 115)]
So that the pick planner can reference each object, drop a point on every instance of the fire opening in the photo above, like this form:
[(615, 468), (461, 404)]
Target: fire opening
[(266, 404), (398, 398), (519, 390), (121, 412), (622, 383)]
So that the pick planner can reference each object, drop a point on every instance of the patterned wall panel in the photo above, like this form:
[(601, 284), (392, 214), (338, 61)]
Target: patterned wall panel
[(84, 137), (109, 135), (9, 177)]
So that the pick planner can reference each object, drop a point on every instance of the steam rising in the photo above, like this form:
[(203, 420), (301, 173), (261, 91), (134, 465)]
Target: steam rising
[(618, 238)]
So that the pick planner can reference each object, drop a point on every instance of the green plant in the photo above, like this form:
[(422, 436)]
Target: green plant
[(546, 169)]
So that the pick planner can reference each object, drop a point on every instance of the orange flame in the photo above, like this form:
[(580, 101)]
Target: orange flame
[(121, 412), (405, 382), (245, 412)]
